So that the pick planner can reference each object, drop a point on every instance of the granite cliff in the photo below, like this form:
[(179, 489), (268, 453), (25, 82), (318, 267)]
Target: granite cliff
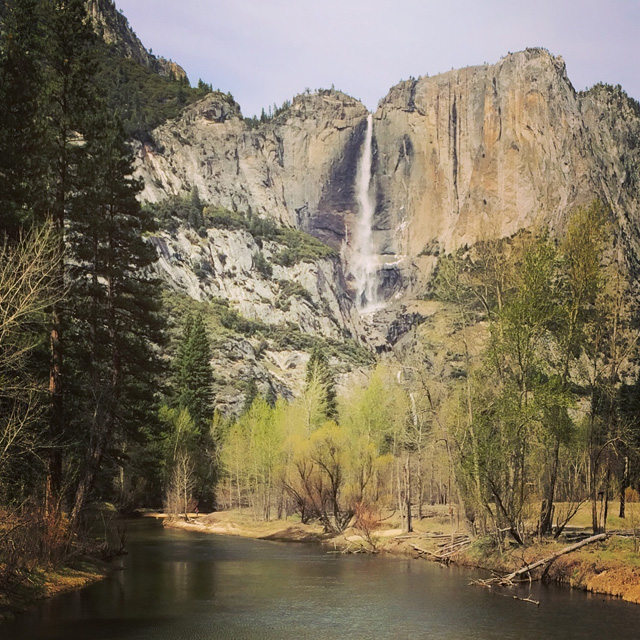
[(476, 153)]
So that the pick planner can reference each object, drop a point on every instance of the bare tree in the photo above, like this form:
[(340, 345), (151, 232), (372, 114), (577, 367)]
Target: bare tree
[(179, 498), (26, 269)]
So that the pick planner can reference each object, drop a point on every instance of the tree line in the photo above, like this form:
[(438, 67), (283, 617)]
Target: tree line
[(531, 414), (81, 323)]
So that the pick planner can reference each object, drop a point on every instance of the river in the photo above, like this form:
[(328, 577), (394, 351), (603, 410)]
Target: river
[(178, 585)]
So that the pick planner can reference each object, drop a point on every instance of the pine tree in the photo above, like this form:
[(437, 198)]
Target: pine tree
[(21, 129), (115, 307), (69, 100), (194, 377), (319, 371)]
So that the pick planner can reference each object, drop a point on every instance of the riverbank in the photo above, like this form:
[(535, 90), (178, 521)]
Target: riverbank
[(610, 567), (40, 584)]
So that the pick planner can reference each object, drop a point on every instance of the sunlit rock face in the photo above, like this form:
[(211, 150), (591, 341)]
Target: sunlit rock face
[(297, 169), (222, 264), (486, 151), (477, 153)]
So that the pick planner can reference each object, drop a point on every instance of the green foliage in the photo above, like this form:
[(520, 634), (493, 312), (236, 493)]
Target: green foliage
[(320, 373), (267, 116), (103, 359), (325, 469), (262, 265), (193, 374), (615, 96), (141, 97), (290, 289), (297, 246), (551, 307), (22, 167)]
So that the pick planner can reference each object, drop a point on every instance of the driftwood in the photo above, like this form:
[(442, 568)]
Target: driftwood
[(445, 552), (508, 580), (421, 551), (527, 599), (549, 559)]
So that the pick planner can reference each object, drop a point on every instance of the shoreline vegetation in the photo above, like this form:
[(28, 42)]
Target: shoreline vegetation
[(42, 584), (610, 567)]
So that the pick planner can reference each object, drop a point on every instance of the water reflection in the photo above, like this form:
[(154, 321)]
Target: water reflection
[(183, 585)]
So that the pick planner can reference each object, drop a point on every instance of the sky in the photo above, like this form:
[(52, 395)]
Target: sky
[(267, 51)]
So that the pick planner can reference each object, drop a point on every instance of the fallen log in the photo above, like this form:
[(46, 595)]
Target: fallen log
[(454, 552), (441, 557), (448, 546), (420, 550), (508, 580), (549, 559)]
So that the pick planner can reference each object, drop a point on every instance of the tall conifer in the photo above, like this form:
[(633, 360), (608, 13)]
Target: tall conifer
[(194, 377), (319, 371)]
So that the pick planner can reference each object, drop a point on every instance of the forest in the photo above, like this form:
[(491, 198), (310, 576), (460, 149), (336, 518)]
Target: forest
[(523, 410), (537, 416)]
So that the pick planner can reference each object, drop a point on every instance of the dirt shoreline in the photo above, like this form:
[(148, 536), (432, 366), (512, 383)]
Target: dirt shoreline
[(40, 585), (609, 568)]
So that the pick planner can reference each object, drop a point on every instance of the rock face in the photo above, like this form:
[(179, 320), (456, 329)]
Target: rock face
[(480, 152), (224, 264), (473, 154), (113, 27), (298, 169), (272, 314), (486, 151)]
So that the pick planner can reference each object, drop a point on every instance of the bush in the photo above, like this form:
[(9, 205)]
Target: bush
[(262, 264)]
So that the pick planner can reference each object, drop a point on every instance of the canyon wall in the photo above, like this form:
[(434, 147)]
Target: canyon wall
[(475, 153)]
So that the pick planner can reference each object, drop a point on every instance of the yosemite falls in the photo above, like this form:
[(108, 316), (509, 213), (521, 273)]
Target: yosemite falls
[(364, 262)]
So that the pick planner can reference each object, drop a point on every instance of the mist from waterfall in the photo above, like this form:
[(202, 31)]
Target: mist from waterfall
[(364, 267)]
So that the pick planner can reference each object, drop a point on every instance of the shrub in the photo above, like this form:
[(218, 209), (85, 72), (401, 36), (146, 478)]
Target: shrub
[(262, 264)]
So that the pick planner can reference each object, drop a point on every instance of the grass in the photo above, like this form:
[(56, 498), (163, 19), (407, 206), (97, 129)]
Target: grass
[(41, 583)]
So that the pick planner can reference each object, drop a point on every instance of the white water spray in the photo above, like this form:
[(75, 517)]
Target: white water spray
[(364, 260)]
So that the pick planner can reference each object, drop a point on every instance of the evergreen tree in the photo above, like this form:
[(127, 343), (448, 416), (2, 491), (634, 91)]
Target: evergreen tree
[(194, 377), (194, 394), (70, 100), (21, 132), (115, 307), (319, 371), (250, 394), (65, 158)]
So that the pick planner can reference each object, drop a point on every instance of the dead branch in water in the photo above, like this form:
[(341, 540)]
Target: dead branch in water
[(508, 580)]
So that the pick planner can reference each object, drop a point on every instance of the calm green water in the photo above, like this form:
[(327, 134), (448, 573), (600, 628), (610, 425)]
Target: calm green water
[(177, 585)]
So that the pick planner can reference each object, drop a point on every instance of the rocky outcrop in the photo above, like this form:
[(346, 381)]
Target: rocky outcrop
[(272, 314), (298, 168), (226, 264), (113, 27), (479, 152), (486, 151)]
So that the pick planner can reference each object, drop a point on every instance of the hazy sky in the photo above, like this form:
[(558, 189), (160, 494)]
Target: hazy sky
[(266, 51)]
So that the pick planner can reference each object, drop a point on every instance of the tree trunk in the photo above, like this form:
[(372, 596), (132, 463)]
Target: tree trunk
[(606, 499), (623, 487), (546, 511), (53, 489), (407, 494)]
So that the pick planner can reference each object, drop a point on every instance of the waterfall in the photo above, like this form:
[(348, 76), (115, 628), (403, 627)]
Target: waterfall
[(364, 261)]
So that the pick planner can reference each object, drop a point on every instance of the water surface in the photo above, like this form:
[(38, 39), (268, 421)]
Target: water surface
[(184, 585)]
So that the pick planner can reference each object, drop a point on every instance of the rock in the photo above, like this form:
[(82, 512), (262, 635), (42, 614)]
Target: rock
[(113, 27), (476, 153)]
